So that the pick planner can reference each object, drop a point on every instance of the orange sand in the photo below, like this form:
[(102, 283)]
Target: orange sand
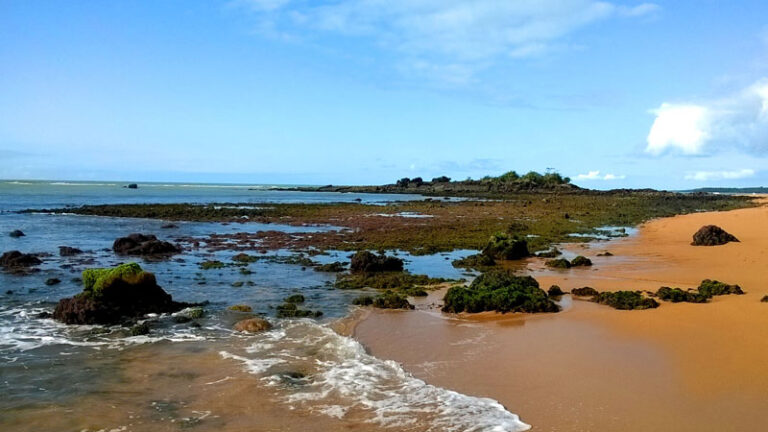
[(681, 367)]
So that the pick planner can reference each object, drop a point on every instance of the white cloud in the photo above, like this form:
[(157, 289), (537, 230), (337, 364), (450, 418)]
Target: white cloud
[(471, 33), (595, 175), (720, 175), (739, 121)]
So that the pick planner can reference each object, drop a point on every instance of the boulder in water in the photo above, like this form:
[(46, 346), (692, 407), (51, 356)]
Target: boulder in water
[(144, 245), (367, 262), (15, 260), (67, 251), (253, 325), (712, 235), (16, 233), (115, 295)]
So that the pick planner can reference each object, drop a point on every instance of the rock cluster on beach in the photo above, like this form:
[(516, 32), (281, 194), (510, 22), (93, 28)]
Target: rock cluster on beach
[(367, 262), (501, 291), (712, 235), (144, 245), (115, 295)]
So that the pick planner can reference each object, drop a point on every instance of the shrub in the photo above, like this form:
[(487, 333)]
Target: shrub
[(501, 291), (441, 179)]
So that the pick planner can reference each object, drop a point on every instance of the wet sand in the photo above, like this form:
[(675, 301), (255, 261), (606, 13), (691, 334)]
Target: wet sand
[(681, 367)]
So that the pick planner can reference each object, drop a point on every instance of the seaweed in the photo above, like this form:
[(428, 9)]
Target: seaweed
[(501, 291)]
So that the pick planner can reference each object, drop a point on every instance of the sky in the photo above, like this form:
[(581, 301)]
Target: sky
[(614, 94)]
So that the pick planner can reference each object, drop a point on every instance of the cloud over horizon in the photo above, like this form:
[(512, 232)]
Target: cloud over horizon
[(721, 175), (736, 122), (453, 38), (595, 175)]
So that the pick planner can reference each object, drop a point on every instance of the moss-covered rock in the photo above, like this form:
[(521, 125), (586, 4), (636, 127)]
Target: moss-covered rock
[(391, 300), (479, 261), (290, 310), (558, 263), (212, 265), (139, 329), (584, 292), (501, 291), (144, 245), (244, 258), (555, 291), (677, 295), (367, 262), (581, 261), (364, 300), (626, 300), (502, 246), (552, 253), (240, 308), (385, 280), (710, 288), (295, 298), (334, 267), (114, 295)]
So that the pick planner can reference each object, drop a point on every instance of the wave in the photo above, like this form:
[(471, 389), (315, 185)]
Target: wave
[(339, 379)]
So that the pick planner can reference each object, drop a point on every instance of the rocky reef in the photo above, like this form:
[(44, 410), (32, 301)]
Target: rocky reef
[(367, 262), (115, 295), (626, 300), (15, 261)]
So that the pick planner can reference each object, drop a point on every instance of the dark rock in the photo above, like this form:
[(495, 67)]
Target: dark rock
[(560, 263), (581, 261), (605, 254), (16, 233), (712, 235), (143, 245), (505, 247), (764, 299), (477, 261), (132, 186), (626, 300), (240, 308), (709, 288), (296, 298), (290, 310), (555, 291), (67, 251), (52, 281), (676, 295), (367, 262), (391, 300), (169, 226), (45, 315), (111, 296), (334, 267), (584, 292), (253, 325), (367, 300), (139, 329), (15, 260), (501, 291)]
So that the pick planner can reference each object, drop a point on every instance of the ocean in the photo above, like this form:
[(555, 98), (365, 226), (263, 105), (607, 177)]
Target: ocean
[(301, 375)]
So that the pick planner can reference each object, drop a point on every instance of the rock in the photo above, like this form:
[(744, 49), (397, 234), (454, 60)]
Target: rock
[(296, 298), (555, 291), (560, 263), (605, 254), (626, 300), (139, 329), (16, 233), (334, 267), (764, 299), (169, 226), (676, 295), (712, 235), (15, 260), (253, 325), (114, 295), (581, 261), (240, 308), (143, 245), (552, 253), (391, 300), (501, 291), (132, 186), (505, 247), (709, 288), (52, 281), (367, 300), (290, 310), (67, 251), (477, 261), (584, 292), (367, 262)]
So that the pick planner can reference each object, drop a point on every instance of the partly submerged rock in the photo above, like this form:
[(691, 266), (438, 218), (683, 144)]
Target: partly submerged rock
[(253, 325), (52, 281), (290, 310), (712, 235), (581, 261), (367, 262), (560, 263), (584, 292), (67, 251), (391, 300), (501, 291), (240, 308), (16, 233), (334, 267), (505, 247), (15, 260), (144, 245), (115, 295), (555, 291)]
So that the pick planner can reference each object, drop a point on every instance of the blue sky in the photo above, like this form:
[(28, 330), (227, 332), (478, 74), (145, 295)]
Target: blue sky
[(669, 94)]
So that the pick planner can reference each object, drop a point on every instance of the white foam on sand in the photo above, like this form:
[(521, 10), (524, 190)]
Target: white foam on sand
[(343, 381)]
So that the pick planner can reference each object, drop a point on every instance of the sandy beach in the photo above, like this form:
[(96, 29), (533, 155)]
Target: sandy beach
[(681, 367)]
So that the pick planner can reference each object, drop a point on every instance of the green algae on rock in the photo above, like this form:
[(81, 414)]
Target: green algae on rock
[(501, 291)]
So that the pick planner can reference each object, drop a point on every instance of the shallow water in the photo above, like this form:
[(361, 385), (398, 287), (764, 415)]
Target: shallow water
[(299, 376)]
